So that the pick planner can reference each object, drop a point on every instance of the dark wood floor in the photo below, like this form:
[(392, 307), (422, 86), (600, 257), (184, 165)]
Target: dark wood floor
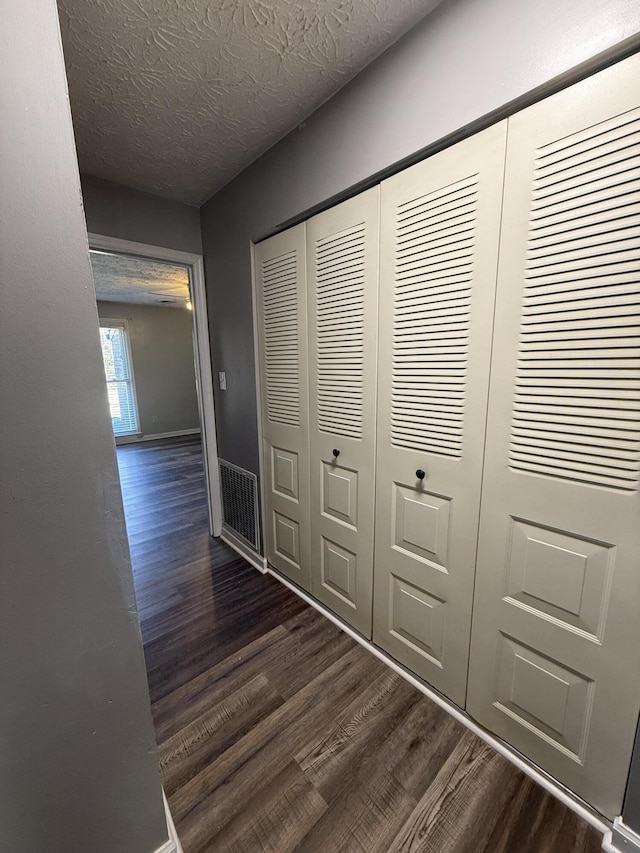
[(276, 731)]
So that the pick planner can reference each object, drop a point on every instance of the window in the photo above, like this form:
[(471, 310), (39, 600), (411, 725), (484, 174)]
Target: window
[(117, 367)]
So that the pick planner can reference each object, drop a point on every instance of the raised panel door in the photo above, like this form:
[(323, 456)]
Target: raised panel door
[(342, 259), (281, 303), (440, 224), (555, 647)]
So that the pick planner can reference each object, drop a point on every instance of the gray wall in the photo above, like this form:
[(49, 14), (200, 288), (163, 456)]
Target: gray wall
[(78, 770), (631, 808), (117, 211), (467, 58), (162, 353)]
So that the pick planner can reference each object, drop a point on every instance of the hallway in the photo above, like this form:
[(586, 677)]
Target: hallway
[(276, 731)]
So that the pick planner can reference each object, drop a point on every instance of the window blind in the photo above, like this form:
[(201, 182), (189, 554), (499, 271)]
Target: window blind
[(117, 368)]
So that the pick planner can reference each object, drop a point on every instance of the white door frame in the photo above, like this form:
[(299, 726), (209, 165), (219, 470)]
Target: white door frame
[(202, 353)]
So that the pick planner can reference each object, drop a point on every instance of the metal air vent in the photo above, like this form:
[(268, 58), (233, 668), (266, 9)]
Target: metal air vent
[(240, 502)]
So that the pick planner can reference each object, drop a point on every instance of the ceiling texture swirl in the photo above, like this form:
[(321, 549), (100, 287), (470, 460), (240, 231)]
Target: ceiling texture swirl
[(176, 97)]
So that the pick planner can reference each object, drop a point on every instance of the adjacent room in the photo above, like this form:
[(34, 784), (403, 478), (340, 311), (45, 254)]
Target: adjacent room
[(321, 426), (145, 313), (146, 334)]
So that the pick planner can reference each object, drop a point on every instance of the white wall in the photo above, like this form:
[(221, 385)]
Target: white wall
[(78, 768), (466, 59)]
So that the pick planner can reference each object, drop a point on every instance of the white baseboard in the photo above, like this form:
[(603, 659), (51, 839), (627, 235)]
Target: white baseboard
[(251, 556), (621, 839), (173, 844), (154, 436), (168, 847), (530, 770)]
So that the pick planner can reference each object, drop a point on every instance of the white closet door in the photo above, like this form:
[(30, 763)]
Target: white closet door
[(342, 258), (555, 651), (440, 224), (281, 302)]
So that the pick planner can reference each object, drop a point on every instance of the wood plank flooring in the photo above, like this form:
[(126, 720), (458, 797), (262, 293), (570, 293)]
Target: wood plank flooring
[(276, 731)]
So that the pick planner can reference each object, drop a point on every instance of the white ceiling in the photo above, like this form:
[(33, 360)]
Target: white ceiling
[(121, 278), (176, 97)]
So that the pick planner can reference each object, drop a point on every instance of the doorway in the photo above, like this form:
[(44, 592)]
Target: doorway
[(165, 280)]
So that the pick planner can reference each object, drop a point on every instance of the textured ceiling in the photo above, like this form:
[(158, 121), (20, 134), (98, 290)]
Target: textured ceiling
[(177, 96), (119, 278)]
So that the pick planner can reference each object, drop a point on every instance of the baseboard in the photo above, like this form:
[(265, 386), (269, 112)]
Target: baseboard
[(537, 774), (251, 556), (173, 844), (154, 436), (168, 847), (621, 839)]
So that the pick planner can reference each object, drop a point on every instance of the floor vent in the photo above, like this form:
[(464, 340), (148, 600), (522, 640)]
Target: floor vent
[(239, 489)]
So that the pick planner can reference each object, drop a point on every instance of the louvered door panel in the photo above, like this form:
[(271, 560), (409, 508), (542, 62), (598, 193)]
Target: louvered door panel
[(340, 315), (439, 244), (435, 240), (342, 253), (281, 338), (281, 309), (556, 635)]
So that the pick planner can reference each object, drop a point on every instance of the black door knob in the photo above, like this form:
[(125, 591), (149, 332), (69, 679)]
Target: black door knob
[(420, 474), (336, 453)]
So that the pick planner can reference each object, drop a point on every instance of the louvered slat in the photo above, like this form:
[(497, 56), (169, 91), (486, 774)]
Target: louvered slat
[(340, 280), (434, 245), (281, 339), (577, 400)]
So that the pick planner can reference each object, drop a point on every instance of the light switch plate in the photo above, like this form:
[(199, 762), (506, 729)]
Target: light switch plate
[(222, 378)]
